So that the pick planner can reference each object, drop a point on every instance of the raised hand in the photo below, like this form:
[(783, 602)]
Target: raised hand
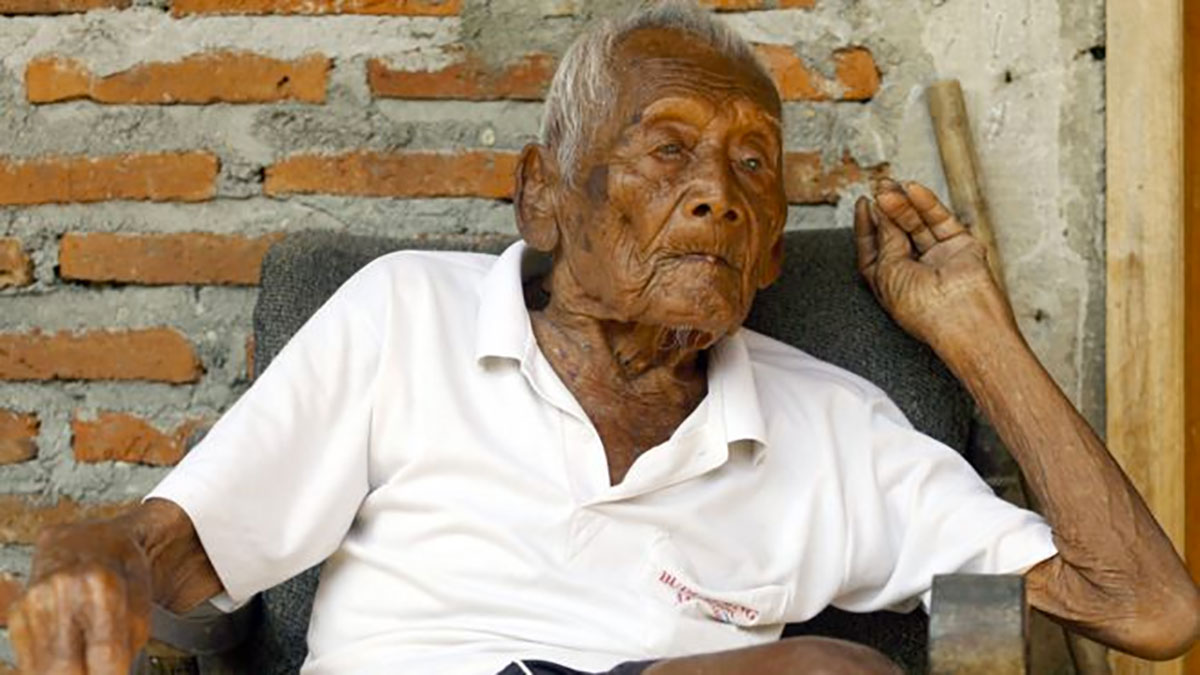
[(927, 271)]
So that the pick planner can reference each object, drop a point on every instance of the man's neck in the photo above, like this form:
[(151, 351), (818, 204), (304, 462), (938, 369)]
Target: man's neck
[(636, 384), (630, 356)]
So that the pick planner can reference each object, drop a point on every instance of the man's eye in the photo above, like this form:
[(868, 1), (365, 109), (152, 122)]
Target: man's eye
[(669, 149), (752, 164)]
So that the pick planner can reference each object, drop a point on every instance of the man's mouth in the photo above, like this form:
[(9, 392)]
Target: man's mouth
[(706, 258)]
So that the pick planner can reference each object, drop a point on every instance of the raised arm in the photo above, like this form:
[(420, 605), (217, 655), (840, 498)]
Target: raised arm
[(87, 608), (1117, 578)]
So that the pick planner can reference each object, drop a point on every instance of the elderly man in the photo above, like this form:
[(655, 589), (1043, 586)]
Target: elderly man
[(586, 485)]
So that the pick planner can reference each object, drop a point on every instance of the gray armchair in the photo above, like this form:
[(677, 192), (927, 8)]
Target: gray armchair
[(819, 305)]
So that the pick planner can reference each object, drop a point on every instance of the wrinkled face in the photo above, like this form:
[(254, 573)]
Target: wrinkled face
[(680, 206)]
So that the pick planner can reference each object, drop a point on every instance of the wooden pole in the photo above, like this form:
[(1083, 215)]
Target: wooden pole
[(961, 166)]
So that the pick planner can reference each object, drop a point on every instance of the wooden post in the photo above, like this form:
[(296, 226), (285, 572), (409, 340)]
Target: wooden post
[(961, 166), (1145, 280), (1191, 196)]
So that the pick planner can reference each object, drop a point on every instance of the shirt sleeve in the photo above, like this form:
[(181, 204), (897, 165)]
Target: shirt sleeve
[(274, 486), (924, 511)]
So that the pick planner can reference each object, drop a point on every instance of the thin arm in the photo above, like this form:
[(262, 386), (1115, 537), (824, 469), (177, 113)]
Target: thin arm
[(1117, 578)]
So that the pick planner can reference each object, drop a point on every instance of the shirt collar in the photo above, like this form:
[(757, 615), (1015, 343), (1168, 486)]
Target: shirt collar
[(502, 323), (504, 331), (731, 373)]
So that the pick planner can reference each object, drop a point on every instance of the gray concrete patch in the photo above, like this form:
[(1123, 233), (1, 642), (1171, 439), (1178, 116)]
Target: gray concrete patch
[(6, 653)]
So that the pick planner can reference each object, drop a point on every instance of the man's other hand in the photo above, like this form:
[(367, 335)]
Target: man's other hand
[(87, 608), (927, 271)]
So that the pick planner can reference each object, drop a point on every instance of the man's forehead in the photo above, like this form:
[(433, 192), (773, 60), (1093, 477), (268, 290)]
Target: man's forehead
[(698, 111), (657, 63)]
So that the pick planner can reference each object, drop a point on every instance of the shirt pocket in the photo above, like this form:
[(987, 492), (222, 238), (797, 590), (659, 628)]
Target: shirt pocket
[(699, 614)]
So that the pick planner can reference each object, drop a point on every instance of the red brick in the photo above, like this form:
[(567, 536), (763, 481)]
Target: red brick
[(807, 181), (395, 7), (21, 518), (118, 437), (468, 78), (188, 258), (399, 174), (857, 75), (58, 6), (181, 176), (15, 267), (742, 5), (18, 436), (725, 5), (250, 356), (10, 589), (155, 354), (211, 77)]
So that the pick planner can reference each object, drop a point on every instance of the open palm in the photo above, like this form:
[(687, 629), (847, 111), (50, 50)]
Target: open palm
[(927, 271)]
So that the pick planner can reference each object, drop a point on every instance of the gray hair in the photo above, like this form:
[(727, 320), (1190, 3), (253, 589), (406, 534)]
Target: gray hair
[(584, 85)]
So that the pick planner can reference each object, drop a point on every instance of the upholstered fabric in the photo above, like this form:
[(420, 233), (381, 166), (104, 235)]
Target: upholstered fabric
[(819, 305)]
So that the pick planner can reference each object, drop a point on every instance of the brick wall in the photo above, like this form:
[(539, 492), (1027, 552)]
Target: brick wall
[(152, 150)]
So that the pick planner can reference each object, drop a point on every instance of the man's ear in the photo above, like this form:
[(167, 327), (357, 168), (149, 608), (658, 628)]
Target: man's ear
[(537, 177), (771, 264)]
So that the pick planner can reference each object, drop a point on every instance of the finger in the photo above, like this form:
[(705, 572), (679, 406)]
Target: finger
[(21, 640), (66, 647), (64, 666), (105, 624), (107, 659), (892, 241), (895, 203), (138, 626), (54, 635), (864, 234), (937, 217)]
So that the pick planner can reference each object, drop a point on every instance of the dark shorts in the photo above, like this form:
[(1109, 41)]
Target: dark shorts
[(547, 668)]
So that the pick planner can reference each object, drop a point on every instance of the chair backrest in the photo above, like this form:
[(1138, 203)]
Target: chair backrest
[(819, 305)]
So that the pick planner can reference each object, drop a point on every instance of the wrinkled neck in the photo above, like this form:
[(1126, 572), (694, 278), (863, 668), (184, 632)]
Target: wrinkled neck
[(630, 349)]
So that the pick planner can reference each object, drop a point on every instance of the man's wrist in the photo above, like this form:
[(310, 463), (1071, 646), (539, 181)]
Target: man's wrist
[(972, 354)]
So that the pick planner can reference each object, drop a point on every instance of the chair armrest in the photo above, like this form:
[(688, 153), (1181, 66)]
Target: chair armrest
[(176, 640), (978, 625), (205, 630)]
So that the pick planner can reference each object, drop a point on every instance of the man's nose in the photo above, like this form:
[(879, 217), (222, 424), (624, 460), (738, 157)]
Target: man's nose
[(713, 199)]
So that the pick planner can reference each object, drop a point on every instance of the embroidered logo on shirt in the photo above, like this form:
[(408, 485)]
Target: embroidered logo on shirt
[(725, 612)]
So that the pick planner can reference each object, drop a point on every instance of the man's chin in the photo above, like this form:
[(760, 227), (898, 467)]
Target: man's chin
[(699, 325), (708, 298), (688, 338)]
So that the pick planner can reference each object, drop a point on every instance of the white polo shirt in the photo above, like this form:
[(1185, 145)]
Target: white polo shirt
[(413, 434)]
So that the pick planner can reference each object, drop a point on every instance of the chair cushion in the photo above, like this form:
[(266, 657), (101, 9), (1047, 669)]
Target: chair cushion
[(819, 305), (822, 305)]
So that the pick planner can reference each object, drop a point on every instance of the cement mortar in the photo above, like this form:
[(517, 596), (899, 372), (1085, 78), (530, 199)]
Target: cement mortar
[(102, 39), (15, 559), (6, 653)]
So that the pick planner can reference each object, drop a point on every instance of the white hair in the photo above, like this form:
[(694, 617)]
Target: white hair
[(584, 86)]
